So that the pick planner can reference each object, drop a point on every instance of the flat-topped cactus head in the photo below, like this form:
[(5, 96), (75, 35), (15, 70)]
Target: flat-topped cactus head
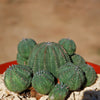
[(48, 55), (17, 78), (72, 76), (25, 47), (77, 59), (21, 60), (59, 92), (90, 74), (69, 45), (43, 82)]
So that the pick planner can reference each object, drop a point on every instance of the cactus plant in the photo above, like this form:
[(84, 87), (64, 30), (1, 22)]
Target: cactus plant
[(43, 82), (77, 60), (18, 78), (48, 56), (59, 92), (69, 45), (71, 75), (90, 74), (21, 60), (25, 47)]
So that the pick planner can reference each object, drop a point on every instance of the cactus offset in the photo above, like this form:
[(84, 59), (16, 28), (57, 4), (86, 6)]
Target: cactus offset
[(69, 45), (77, 59), (25, 47), (48, 56), (90, 74), (18, 78), (72, 76), (59, 92), (43, 82)]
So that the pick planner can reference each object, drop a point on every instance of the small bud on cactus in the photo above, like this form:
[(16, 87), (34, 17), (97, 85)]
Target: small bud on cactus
[(77, 59), (17, 78), (59, 92), (25, 47), (48, 56), (71, 75), (21, 60), (90, 74), (69, 45), (43, 82)]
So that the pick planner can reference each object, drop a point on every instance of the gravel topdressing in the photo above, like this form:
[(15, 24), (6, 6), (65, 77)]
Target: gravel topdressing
[(89, 93)]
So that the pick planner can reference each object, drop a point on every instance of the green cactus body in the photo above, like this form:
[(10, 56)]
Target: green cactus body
[(43, 82), (25, 47), (21, 60), (69, 45), (90, 74), (77, 59), (18, 78), (48, 56), (72, 76), (59, 92)]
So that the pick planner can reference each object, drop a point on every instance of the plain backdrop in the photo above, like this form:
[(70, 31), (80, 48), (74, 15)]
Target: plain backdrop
[(50, 20)]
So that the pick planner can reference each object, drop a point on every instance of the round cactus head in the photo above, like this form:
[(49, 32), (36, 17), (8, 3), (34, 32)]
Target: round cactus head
[(43, 82), (69, 45), (71, 75), (77, 59), (48, 56), (90, 74), (18, 78), (59, 92), (25, 47)]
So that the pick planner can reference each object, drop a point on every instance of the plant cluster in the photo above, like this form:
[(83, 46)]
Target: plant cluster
[(41, 65)]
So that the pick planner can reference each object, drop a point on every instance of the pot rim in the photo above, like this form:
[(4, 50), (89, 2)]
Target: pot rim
[(6, 65)]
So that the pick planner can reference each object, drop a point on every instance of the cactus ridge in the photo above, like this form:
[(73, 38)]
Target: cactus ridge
[(71, 75), (32, 58), (17, 79), (61, 54), (48, 56)]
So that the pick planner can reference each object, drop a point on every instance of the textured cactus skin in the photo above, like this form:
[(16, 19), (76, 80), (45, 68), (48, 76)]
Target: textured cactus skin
[(59, 92), (48, 56), (69, 45), (21, 60), (90, 74), (72, 76), (17, 78), (43, 82), (77, 59), (25, 47)]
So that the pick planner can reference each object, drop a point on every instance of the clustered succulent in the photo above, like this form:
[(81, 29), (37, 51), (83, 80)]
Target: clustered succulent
[(41, 65)]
